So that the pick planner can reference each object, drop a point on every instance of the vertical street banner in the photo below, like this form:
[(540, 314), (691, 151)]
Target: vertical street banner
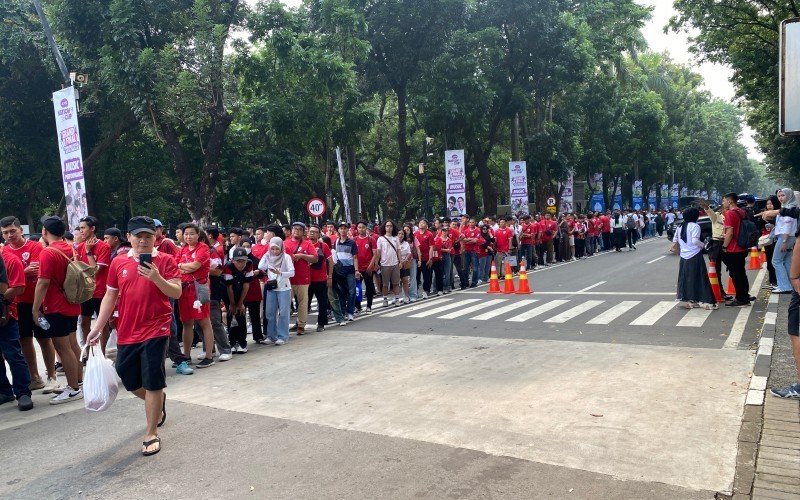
[(455, 176), (651, 198), (567, 196), (69, 149), (637, 195), (518, 184), (674, 196), (665, 201), (598, 203), (345, 198), (617, 202)]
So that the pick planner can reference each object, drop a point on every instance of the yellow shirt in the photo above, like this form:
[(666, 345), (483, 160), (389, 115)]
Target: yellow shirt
[(717, 227)]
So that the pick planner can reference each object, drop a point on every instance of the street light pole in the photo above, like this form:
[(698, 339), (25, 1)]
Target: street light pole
[(425, 154), (52, 41)]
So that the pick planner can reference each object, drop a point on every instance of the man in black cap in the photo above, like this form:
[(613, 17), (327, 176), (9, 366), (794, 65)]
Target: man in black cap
[(114, 239), (61, 316), (141, 289)]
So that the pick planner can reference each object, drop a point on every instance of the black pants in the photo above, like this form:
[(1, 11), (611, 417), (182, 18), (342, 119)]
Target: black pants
[(426, 276), (579, 246), (174, 350), (369, 289), (631, 234), (794, 314), (237, 334), (607, 241), (458, 263), (735, 263), (438, 275), (769, 250), (319, 289), (254, 308)]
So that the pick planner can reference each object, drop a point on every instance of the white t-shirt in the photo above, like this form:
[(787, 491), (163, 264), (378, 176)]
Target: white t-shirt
[(692, 245), (405, 251), (670, 217), (387, 245)]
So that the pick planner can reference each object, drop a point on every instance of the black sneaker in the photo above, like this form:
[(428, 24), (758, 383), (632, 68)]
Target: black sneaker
[(205, 363), (59, 367), (6, 399), (736, 303), (24, 403)]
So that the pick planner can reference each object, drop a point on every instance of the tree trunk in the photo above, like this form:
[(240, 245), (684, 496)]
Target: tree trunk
[(487, 188), (396, 196), (515, 138)]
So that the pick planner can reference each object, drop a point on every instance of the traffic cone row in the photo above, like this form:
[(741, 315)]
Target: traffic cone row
[(714, 279), (755, 262), (508, 282)]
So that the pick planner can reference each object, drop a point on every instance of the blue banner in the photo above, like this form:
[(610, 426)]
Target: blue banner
[(598, 204), (674, 196), (637, 195)]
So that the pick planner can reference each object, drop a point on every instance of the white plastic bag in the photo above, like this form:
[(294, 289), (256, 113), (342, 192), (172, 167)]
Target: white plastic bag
[(100, 386)]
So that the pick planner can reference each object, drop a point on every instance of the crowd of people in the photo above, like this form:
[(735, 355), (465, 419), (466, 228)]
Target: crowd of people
[(162, 297)]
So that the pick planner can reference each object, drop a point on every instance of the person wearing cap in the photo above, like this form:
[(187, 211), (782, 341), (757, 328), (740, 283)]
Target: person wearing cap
[(28, 251), (164, 244), (303, 254), (50, 303), (345, 271), (238, 275), (114, 239), (141, 292), (96, 253)]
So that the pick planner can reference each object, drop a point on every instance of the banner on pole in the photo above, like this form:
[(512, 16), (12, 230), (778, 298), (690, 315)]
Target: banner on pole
[(69, 149), (518, 182), (617, 201), (455, 179), (567, 196), (598, 203), (665, 201), (674, 196), (637, 195), (345, 199), (651, 198)]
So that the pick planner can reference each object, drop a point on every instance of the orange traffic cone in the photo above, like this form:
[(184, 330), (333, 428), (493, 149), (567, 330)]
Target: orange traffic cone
[(763, 256), (509, 281), (524, 286), (494, 282), (714, 279), (755, 262), (731, 288)]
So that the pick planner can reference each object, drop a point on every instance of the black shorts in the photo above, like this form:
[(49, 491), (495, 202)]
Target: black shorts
[(91, 307), (405, 273), (27, 328), (142, 365), (60, 326)]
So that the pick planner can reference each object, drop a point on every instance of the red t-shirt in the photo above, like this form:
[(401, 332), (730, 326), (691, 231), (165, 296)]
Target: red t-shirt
[(455, 234), (53, 266), (144, 311), (425, 240), (16, 278), (202, 254), (546, 226), (302, 268), (28, 253), (502, 237), (580, 230), (166, 245), (528, 233), (606, 220), (366, 248), (733, 218), (258, 250), (321, 274), (102, 255), (470, 232)]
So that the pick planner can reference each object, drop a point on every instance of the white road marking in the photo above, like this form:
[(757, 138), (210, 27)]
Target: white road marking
[(737, 329), (590, 287), (653, 314), (505, 309), (536, 311), (405, 310), (446, 307), (768, 341), (613, 313), (472, 309), (757, 282), (656, 259), (695, 318), (575, 311), (770, 318), (628, 294), (774, 298)]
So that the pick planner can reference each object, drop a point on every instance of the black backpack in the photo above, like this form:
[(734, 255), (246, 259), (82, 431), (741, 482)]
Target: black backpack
[(748, 234)]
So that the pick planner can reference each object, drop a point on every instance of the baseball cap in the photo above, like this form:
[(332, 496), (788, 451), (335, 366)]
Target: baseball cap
[(141, 224), (54, 225), (298, 224), (157, 223), (342, 223), (240, 253), (112, 231)]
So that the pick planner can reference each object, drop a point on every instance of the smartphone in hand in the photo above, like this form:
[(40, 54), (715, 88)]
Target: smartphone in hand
[(146, 259)]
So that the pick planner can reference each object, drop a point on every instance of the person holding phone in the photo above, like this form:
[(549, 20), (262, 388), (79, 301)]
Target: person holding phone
[(279, 268), (141, 285)]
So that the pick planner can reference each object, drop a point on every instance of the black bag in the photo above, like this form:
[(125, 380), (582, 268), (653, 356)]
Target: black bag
[(748, 234), (271, 285), (630, 223), (320, 259)]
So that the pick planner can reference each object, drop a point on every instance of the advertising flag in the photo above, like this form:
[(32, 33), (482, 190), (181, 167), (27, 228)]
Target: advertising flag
[(637, 195), (69, 148), (518, 183), (567, 196), (674, 196), (455, 177), (617, 203), (665, 201), (598, 204)]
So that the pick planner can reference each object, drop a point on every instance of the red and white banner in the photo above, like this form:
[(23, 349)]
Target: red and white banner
[(69, 148)]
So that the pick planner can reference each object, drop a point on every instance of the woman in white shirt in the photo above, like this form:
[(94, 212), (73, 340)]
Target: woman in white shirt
[(405, 263), (279, 268), (785, 227), (388, 257), (694, 288)]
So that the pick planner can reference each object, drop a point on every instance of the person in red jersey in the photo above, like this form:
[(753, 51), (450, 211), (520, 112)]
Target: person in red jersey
[(548, 228), (470, 236), (425, 239), (142, 293), (367, 249), (27, 251), (50, 303), (503, 236), (194, 263), (164, 244), (96, 253), (321, 276), (605, 220), (12, 285), (303, 254)]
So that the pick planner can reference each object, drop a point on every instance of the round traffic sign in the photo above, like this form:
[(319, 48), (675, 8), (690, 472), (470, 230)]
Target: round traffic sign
[(315, 207), (551, 202)]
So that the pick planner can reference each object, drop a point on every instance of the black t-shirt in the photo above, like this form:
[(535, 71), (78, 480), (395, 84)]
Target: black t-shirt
[(236, 278)]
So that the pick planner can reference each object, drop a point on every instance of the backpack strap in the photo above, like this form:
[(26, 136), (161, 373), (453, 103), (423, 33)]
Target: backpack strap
[(63, 254)]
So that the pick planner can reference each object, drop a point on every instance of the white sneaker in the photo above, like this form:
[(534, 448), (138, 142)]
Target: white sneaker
[(413, 299), (385, 302), (342, 323), (52, 387), (242, 350), (280, 342), (349, 317), (424, 295), (234, 349), (406, 300), (396, 301), (369, 310), (68, 395), (224, 357)]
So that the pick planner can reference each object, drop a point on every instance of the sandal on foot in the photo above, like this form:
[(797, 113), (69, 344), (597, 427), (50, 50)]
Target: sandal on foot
[(147, 444), (163, 412)]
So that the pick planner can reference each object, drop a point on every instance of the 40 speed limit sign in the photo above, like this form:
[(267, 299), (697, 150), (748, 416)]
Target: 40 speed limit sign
[(315, 207)]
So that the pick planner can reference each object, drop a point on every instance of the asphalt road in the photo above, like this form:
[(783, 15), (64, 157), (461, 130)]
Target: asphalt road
[(589, 388)]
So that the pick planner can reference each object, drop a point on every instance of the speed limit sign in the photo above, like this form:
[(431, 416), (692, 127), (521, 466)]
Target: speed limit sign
[(315, 207)]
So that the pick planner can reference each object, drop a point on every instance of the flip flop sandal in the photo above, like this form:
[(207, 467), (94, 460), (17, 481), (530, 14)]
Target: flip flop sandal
[(163, 412), (147, 444)]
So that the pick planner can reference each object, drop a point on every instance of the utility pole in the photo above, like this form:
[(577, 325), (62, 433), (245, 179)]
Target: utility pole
[(52, 42), (425, 154)]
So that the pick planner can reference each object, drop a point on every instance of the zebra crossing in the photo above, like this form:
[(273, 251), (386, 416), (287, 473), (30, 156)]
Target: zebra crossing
[(557, 311)]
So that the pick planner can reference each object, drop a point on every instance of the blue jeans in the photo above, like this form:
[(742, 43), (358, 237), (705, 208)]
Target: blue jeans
[(11, 351), (471, 259), (413, 286), (526, 252), (781, 261), (485, 265), (447, 270), (345, 286), (277, 316)]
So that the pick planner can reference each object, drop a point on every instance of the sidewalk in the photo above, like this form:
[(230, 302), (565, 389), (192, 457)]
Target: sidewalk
[(769, 448)]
